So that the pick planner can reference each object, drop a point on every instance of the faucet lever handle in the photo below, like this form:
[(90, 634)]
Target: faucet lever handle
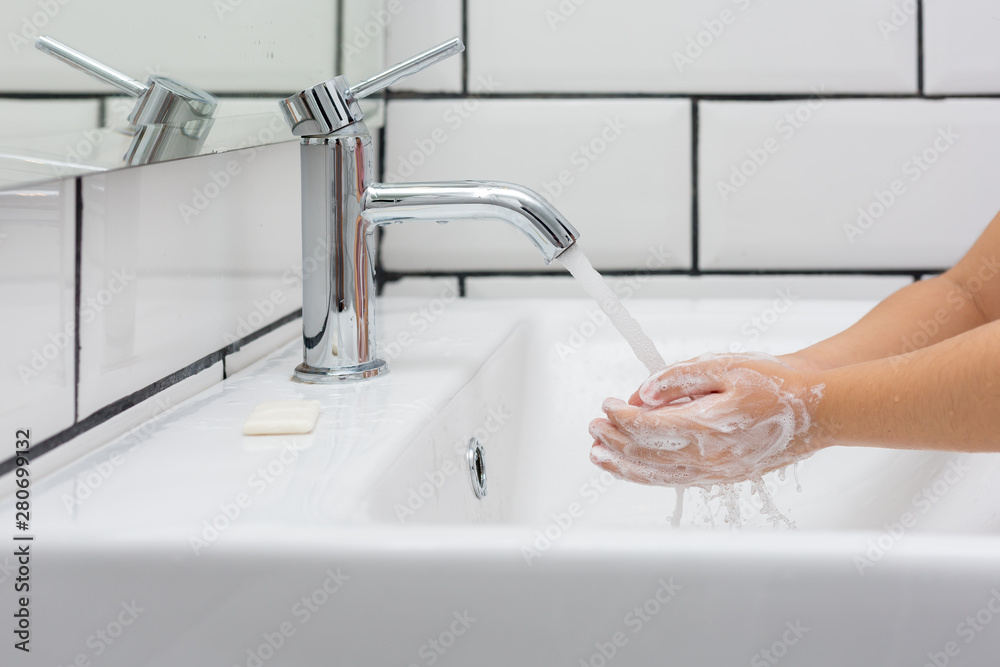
[(94, 68), (331, 105), (399, 71)]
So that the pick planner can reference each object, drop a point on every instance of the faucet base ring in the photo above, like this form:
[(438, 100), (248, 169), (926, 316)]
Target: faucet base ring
[(312, 375)]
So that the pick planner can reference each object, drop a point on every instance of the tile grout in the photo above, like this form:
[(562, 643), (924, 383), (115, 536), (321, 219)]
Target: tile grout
[(465, 53), (77, 293), (395, 276), (694, 185), (920, 47)]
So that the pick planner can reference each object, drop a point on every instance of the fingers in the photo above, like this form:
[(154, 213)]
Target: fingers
[(680, 381), (610, 436), (615, 440), (668, 428), (607, 459), (642, 471), (621, 414)]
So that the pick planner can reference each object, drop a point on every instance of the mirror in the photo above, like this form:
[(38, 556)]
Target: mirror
[(195, 77)]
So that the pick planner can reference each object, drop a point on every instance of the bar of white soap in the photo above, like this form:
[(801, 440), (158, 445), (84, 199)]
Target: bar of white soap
[(282, 418)]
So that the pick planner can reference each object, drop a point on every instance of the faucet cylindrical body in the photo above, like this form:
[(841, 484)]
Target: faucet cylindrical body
[(338, 287)]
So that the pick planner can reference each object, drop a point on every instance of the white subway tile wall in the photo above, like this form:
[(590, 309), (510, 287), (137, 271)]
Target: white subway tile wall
[(818, 148), (714, 46), (37, 274), (180, 260), (960, 47), (845, 184), (619, 170)]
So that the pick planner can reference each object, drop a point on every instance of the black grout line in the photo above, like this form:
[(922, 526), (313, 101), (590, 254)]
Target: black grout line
[(528, 95), (465, 53), (77, 286), (147, 392), (694, 185), (28, 95), (263, 331), (338, 57), (393, 276), (116, 408), (461, 286), (102, 112), (708, 97), (83, 95), (920, 47)]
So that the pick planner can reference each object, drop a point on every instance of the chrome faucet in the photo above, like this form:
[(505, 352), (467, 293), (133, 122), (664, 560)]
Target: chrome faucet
[(342, 207)]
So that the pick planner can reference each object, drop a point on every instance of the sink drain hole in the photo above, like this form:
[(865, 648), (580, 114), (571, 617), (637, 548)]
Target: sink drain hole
[(477, 467)]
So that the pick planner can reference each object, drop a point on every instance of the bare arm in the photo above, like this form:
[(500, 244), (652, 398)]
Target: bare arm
[(919, 315), (944, 397), (921, 371)]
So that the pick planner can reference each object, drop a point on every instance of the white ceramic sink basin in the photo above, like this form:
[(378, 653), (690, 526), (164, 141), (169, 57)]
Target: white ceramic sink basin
[(363, 543)]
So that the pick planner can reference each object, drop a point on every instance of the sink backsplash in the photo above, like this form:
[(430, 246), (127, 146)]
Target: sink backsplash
[(729, 149), (158, 273)]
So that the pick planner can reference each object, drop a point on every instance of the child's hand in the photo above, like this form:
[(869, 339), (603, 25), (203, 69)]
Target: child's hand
[(713, 419)]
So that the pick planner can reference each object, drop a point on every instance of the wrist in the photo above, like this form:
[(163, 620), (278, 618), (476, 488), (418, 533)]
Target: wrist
[(826, 426)]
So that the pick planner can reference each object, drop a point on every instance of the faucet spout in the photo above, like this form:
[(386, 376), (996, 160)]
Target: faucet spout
[(526, 210)]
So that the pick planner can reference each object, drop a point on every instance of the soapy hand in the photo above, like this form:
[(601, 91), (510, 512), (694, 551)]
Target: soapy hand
[(713, 419)]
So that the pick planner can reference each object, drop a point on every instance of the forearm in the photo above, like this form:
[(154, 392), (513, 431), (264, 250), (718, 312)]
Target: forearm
[(917, 316), (945, 397)]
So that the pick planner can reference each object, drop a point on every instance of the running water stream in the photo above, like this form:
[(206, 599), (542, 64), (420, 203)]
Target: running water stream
[(577, 263)]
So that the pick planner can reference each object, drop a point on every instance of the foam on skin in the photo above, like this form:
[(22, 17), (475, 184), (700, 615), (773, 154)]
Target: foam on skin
[(740, 424)]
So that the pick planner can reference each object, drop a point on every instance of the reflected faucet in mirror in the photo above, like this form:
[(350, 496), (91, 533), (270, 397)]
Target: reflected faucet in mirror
[(170, 119), (342, 207)]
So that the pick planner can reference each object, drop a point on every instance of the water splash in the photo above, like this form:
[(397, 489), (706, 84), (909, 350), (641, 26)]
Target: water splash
[(675, 520)]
